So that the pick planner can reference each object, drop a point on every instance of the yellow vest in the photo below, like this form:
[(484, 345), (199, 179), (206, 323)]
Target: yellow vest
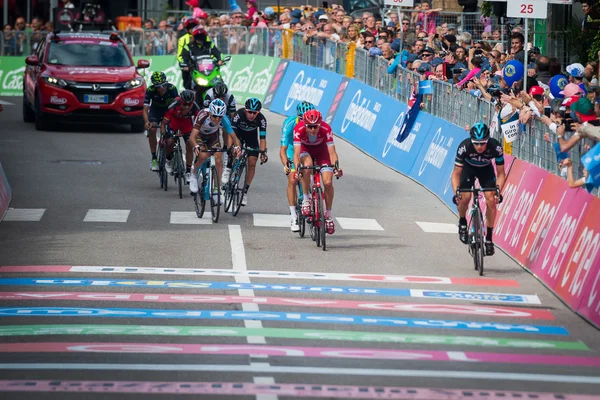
[(182, 44)]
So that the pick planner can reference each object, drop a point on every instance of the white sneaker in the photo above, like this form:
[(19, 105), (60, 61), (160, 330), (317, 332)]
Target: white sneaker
[(169, 166), (193, 184), (245, 199), (188, 177), (225, 176), (295, 226), (154, 165)]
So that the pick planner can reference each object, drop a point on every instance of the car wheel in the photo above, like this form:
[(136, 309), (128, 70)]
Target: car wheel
[(28, 114), (137, 128), (41, 120)]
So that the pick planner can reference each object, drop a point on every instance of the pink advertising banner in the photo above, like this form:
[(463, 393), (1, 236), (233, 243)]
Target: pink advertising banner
[(5, 193)]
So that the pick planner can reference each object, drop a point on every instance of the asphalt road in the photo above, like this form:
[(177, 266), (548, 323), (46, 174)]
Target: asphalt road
[(166, 324)]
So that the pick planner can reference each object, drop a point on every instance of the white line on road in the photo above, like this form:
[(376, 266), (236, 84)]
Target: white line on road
[(279, 369), (99, 215), (24, 214), (238, 259), (6, 103), (437, 227)]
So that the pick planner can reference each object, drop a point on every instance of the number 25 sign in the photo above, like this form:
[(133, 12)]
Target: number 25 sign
[(527, 9)]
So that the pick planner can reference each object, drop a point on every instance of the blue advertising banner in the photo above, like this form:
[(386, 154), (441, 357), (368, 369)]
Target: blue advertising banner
[(302, 82)]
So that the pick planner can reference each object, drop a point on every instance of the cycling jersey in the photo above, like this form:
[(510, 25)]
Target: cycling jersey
[(176, 120), (246, 129), (159, 104), (287, 135), (206, 127), (228, 99), (466, 153), (317, 147)]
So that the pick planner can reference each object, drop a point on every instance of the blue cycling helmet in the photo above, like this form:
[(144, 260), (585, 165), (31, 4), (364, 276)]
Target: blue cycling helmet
[(217, 108), (303, 107), (479, 132), (253, 104)]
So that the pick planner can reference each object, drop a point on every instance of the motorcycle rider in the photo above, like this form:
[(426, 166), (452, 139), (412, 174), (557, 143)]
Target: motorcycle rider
[(201, 45), (182, 44)]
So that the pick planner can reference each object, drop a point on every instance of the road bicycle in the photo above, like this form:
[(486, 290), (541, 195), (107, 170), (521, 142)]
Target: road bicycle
[(178, 165), (161, 159), (234, 189), (208, 186), (476, 228), (316, 219), (301, 219)]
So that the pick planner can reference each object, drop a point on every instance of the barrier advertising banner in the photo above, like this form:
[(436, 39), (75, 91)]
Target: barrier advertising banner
[(5, 193), (11, 76), (302, 82), (249, 76)]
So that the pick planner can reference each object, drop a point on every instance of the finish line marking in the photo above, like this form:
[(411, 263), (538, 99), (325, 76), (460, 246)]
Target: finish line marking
[(310, 334), (288, 389), (264, 274), (488, 311), (280, 369), (297, 351)]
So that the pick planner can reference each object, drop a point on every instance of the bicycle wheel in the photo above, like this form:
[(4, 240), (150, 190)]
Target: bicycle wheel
[(321, 212), (239, 188), (215, 194), (161, 166), (481, 247), (301, 221), (199, 202), (316, 217), (230, 190), (180, 173), (475, 242)]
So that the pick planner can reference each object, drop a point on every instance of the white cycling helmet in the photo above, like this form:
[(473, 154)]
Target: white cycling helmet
[(217, 108)]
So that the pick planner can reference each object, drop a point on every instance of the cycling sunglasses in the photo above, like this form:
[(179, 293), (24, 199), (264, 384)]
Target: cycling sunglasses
[(312, 126), (479, 143), (216, 116), (251, 112)]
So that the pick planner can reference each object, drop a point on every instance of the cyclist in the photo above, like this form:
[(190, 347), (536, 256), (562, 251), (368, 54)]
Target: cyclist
[(246, 122), (180, 117), (286, 154), (474, 160), (201, 45), (220, 91), (313, 139), (182, 44), (205, 135), (158, 98)]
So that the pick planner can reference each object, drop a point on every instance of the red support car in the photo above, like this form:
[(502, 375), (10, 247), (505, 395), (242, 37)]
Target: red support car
[(83, 77)]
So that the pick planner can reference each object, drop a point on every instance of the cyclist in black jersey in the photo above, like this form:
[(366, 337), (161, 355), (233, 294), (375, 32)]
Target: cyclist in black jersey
[(246, 122), (158, 98), (220, 91), (474, 160)]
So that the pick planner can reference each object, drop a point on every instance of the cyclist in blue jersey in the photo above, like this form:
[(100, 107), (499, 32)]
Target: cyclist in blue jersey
[(286, 154), (474, 160)]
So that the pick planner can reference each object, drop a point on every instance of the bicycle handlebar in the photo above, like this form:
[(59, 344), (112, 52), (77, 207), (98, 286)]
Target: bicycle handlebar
[(212, 151), (477, 190)]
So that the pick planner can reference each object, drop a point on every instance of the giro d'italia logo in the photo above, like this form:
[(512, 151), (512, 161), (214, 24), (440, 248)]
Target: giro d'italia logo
[(509, 70)]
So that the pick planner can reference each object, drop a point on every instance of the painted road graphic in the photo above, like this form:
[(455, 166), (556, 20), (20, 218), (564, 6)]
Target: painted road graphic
[(488, 311), (297, 351), (289, 389), (447, 295), (278, 316), (434, 280), (311, 334)]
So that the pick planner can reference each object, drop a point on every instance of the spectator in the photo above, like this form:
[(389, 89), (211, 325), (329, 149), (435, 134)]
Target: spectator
[(387, 51), (252, 9), (369, 40), (590, 73), (542, 68), (573, 183), (370, 25), (517, 43)]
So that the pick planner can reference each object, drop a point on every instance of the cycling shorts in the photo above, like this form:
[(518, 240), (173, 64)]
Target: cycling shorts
[(250, 139), (156, 114), (209, 141), (485, 175), (319, 153)]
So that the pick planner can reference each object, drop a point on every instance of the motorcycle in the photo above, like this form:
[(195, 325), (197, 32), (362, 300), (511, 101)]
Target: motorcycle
[(205, 73)]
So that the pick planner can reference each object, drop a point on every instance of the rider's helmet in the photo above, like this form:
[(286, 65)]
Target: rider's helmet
[(189, 23), (253, 104), (303, 107), (479, 132), (158, 78), (187, 97), (199, 34), (217, 108), (220, 89), (312, 117)]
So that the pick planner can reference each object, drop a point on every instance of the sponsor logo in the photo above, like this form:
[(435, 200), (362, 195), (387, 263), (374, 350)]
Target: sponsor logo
[(304, 91), (260, 81), (57, 100), (437, 151), (173, 74), (131, 102), (13, 80), (358, 113), (582, 257), (85, 71), (397, 129), (96, 87)]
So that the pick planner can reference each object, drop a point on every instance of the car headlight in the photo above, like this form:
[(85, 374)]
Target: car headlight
[(201, 81), (134, 83), (54, 81)]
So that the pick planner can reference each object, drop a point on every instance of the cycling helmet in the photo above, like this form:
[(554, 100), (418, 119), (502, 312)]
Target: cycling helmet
[(199, 33), (312, 117), (220, 89), (187, 97), (253, 104), (158, 78), (217, 108), (303, 107), (479, 131), (190, 22)]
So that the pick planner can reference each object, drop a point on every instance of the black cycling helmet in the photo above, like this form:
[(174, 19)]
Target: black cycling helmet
[(220, 89), (479, 132), (199, 33), (187, 96), (253, 104)]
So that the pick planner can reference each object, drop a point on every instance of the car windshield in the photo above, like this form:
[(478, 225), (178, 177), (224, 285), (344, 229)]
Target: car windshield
[(88, 54)]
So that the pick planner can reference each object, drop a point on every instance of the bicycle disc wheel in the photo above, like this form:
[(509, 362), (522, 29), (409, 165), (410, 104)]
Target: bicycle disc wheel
[(215, 194), (239, 189), (322, 229)]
